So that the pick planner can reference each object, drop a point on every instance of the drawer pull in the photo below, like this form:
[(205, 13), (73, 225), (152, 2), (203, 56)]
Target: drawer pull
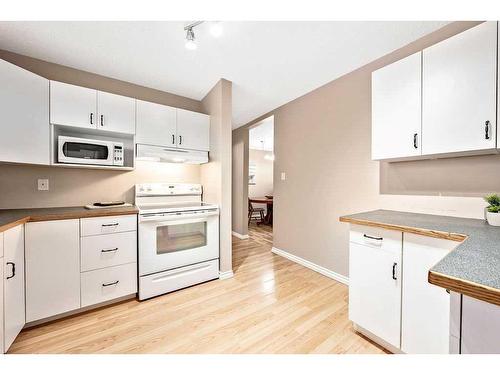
[(109, 250), (110, 225), (373, 238), (110, 284)]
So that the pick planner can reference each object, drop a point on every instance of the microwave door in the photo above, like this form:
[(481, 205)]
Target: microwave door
[(85, 153)]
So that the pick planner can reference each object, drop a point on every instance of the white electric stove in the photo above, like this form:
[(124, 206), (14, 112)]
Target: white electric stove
[(178, 237)]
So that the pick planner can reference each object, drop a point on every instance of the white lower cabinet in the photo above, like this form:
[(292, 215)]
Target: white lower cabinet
[(13, 288), (108, 283), (52, 268), (1, 293), (425, 313), (374, 282), (480, 327), (389, 295)]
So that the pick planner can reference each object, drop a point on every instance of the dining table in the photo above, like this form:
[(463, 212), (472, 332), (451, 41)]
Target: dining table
[(268, 219)]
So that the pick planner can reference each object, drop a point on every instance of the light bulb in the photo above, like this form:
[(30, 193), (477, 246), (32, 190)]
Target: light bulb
[(190, 45), (190, 40), (216, 29)]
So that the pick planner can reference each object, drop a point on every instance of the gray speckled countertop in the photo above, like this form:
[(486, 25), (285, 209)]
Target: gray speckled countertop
[(475, 263)]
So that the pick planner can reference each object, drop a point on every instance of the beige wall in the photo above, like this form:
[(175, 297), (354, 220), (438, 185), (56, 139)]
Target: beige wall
[(240, 180), (70, 187), (77, 187), (322, 142), (216, 175), (263, 175), (66, 74)]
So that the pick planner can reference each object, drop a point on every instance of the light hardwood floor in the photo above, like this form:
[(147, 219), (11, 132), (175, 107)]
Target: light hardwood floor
[(272, 305)]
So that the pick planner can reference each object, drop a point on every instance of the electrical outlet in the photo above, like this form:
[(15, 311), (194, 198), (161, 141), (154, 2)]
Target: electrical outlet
[(283, 176), (43, 184)]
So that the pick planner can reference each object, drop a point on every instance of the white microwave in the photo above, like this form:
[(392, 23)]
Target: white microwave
[(89, 151)]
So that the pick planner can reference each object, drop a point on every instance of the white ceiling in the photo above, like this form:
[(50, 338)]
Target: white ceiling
[(261, 137), (269, 63)]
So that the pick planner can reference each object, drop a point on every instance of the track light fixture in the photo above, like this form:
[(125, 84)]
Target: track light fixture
[(215, 29)]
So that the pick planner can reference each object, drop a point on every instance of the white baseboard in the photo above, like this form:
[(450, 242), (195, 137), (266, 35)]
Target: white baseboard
[(322, 270), (240, 236), (225, 275)]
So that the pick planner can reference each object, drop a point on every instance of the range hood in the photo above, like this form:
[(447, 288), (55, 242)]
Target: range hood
[(170, 155)]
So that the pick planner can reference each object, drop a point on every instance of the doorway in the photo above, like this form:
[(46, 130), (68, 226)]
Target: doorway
[(260, 178)]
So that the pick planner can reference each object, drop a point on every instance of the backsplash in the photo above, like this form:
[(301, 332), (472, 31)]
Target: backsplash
[(77, 187)]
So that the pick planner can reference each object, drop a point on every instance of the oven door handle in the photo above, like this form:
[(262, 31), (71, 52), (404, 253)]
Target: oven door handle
[(188, 218), (161, 223)]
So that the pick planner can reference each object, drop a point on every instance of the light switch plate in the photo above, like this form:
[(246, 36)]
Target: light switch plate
[(283, 176), (43, 184)]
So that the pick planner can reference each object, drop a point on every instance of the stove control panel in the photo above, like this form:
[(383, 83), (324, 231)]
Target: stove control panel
[(167, 189)]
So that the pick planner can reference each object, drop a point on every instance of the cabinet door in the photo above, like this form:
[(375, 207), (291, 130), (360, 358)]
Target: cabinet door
[(24, 107), (193, 130), (426, 307), (480, 327), (1, 301), (52, 268), (396, 109), (375, 290), (116, 113), (459, 92), (156, 124), (14, 306), (73, 105)]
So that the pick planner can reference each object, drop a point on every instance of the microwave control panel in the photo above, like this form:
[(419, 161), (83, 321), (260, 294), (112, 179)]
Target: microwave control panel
[(118, 155)]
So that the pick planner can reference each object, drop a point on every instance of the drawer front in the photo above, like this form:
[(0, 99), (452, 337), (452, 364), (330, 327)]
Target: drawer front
[(108, 224), (108, 250), (168, 281), (379, 238), (108, 283)]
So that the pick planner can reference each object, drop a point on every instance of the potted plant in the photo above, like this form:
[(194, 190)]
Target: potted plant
[(493, 209)]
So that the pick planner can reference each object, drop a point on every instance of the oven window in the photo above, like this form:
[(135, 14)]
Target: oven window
[(85, 151), (171, 238)]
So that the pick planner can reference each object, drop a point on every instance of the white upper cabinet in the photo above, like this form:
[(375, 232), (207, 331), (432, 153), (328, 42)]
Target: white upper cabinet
[(24, 107), (396, 109), (115, 113), (82, 107), (13, 291), (193, 130), (425, 313), (156, 124), (73, 105), (459, 92)]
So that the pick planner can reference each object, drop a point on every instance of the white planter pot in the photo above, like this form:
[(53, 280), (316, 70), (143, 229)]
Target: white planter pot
[(493, 218)]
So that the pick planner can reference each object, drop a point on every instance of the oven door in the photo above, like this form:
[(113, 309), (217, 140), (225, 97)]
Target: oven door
[(173, 243), (84, 151)]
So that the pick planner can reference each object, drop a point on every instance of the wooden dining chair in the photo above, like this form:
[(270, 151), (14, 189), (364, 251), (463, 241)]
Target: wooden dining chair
[(255, 213)]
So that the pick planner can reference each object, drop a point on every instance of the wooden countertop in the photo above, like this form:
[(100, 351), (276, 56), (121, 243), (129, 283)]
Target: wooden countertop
[(472, 268), (12, 217)]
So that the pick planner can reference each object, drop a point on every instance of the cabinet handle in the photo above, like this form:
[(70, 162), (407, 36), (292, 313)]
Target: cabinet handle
[(109, 250), (102, 120), (394, 271), (373, 238), (180, 139), (109, 225), (173, 139), (91, 118), (110, 284), (13, 270), (487, 130), (415, 140)]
